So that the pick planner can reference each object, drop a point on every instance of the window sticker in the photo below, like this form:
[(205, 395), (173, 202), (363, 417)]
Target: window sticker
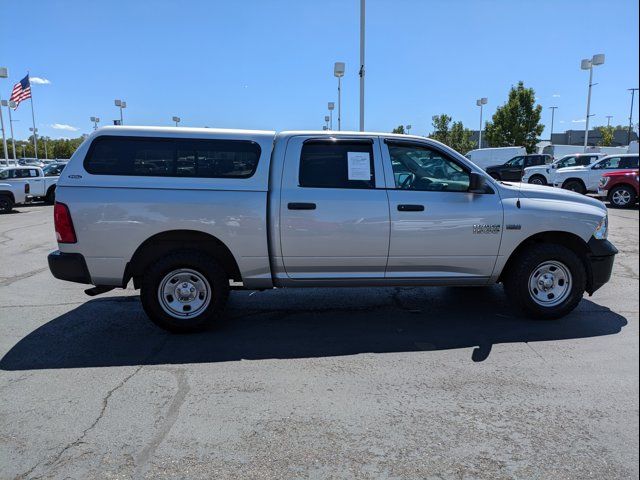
[(359, 165)]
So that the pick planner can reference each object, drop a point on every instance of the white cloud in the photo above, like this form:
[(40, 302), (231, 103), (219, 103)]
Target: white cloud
[(62, 126), (40, 81), (581, 120), (556, 95)]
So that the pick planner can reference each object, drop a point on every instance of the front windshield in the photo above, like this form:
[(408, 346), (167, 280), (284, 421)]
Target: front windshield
[(4, 174)]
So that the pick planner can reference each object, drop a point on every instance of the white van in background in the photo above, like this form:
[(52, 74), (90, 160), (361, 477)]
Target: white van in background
[(487, 157)]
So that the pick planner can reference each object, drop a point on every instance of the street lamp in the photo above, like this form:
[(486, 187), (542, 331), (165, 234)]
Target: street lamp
[(587, 64), (176, 119), (362, 69), (553, 114), (326, 122), (95, 121), (120, 104), (609, 117), (10, 105), (331, 107), (408, 129), (481, 102), (338, 71), (633, 93), (4, 73), (35, 132)]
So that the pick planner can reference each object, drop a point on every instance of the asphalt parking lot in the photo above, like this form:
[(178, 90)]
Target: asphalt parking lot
[(321, 383)]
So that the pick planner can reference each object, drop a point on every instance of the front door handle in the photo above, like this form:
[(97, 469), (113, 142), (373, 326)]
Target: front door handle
[(301, 206), (410, 208)]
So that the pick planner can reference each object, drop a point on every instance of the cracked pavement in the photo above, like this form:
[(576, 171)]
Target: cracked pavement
[(318, 383)]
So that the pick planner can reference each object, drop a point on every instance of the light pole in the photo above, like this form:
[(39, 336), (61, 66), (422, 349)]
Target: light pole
[(338, 71), (4, 73), (176, 119), (35, 132), (633, 93), (609, 117), (95, 121), (408, 128), (326, 122), (587, 64), (362, 71), (553, 115), (120, 104), (9, 106), (481, 102), (331, 106)]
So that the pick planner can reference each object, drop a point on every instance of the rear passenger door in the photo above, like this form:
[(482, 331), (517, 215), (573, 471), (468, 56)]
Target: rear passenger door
[(334, 212), (513, 171)]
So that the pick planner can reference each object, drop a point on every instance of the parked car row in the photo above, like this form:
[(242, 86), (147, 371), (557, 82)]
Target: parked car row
[(22, 184)]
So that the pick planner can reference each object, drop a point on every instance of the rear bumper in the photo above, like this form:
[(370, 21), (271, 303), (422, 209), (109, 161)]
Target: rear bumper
[(69, 266), (601, 256)]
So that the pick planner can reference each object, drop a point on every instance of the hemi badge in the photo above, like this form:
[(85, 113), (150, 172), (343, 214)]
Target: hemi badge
[(514, 226)]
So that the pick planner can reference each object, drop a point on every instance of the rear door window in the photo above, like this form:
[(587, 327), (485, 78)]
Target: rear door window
[(168, 157), (341, 164)]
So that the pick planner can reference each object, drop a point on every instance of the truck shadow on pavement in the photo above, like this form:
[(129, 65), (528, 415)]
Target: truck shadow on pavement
[(114, 331)]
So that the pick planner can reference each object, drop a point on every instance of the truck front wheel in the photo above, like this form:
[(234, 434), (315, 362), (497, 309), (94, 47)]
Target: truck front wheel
[(184, 292), (546, 281), (50, 199)]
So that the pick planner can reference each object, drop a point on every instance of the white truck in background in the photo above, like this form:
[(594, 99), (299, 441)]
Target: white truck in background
[(487, 157), (12, 194)]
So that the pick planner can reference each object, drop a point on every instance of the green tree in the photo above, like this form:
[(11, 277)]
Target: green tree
[(517, 122), (452, 134), (607, 135), (398, 129)]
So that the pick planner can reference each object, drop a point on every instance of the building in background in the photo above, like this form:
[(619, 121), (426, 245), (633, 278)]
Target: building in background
[(575, 137)]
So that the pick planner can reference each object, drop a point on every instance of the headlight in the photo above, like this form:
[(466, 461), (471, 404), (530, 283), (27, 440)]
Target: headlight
[(602, 230), (604, 181)]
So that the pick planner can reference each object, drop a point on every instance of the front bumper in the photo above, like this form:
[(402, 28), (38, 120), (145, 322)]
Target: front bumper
[(601, 256), (603, 193), (69, 266)]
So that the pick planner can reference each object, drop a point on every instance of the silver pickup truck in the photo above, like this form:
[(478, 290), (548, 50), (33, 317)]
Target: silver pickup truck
[(189, 214)]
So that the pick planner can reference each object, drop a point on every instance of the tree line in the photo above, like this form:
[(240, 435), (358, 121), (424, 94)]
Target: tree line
[(60, 148), (515, 123)]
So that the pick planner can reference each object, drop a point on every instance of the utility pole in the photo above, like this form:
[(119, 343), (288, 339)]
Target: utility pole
[(609, 117), (362, 71), (553, 114), (633, 93)]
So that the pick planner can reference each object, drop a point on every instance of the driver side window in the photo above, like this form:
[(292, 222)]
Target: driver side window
[(419, 167)]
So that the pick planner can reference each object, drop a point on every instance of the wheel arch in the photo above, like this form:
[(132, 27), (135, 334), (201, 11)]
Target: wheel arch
[(9, 194), (574, 179), (566, 239), (162, 243)]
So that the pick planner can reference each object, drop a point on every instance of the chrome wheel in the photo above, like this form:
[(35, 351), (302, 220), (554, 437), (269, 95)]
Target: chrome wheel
[(184, 293), (550, 284), (621, 197)]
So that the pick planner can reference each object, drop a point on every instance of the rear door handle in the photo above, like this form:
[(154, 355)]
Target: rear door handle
[(301, 206), (410, 208)]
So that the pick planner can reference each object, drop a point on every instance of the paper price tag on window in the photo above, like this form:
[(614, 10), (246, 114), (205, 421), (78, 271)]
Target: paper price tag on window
[(359, 166)]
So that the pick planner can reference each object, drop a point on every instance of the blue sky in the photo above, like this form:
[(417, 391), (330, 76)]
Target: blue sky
[(269, 64)]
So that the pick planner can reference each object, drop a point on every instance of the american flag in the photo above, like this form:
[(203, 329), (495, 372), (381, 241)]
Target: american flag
[(21, 91)]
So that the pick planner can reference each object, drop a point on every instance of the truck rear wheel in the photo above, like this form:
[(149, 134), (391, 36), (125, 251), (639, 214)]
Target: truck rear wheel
[(184, 292), (546, 281), (622, 196), (6, 204), (575, 186)]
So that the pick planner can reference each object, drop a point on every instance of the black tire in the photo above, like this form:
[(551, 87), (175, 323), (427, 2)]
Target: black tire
[(517, 278), (6, 204), (616, 200), (538, 180), (50, 199), (203, 265), (575, 186)]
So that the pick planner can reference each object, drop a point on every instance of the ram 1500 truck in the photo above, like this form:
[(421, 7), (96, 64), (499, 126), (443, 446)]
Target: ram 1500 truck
[(188, 214)]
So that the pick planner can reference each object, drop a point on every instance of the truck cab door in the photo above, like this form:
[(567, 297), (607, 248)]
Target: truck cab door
[(513, 171), (439, 231), (334, 212)]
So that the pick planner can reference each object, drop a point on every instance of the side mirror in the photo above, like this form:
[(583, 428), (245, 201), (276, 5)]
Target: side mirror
[(477, 183)]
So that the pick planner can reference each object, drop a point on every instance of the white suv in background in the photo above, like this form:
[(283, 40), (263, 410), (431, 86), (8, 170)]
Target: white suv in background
[(545, 174), (586, 179)]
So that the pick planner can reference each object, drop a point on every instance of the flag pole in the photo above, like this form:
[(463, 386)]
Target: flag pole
[(33, 118)]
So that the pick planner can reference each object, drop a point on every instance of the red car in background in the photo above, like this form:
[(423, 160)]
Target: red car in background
[(620, 188)]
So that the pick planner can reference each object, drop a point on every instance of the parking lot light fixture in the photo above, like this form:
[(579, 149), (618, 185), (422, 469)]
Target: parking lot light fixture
[(408, 129), (9, 104), (480, 103), (176, 120), (338, 72), (4, 73), (120, 104), (587, 64), (331, 106), (95, 121)]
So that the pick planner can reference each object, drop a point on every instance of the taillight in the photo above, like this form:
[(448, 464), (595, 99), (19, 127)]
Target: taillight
[(27, 188), (63, 224)]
